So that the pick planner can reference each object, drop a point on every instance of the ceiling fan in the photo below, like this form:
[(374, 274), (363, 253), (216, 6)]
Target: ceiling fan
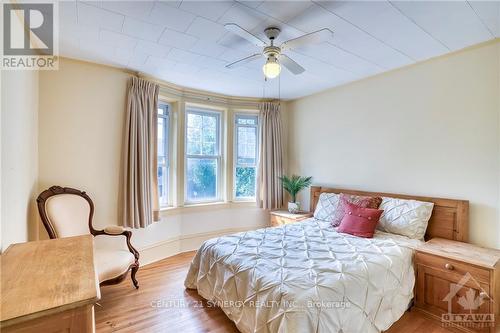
[(274, 54)]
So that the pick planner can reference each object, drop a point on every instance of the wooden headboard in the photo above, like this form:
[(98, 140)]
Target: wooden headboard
[(449, 219)]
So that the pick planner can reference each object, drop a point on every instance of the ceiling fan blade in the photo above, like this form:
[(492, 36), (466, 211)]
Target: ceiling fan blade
[(311, 38), (291, 65), (236, 29), (244, 60)]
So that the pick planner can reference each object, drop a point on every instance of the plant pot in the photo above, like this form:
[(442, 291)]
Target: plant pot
[(294, 207)]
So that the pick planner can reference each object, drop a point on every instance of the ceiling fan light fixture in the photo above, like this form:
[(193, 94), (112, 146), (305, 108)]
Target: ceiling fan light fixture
[(271, 68)]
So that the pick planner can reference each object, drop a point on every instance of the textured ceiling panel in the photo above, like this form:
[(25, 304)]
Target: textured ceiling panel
[(185, 42)]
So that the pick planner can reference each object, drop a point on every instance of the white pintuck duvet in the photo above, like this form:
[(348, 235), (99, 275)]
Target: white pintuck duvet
[(306, 277)]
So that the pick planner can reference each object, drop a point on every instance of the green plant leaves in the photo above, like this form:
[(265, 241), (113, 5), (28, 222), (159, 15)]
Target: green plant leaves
[(295, 184)]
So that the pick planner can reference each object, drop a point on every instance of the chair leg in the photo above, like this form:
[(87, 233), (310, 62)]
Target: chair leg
[(132, 275)]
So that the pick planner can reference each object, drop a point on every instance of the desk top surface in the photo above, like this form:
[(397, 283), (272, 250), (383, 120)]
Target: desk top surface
[(476, 255), (287, 214), (46, 277)]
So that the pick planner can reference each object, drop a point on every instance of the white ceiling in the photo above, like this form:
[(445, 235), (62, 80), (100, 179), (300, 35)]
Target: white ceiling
[(184, 42)]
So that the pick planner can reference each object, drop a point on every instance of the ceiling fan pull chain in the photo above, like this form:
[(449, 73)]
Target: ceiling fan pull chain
[(264, 88), (279, 90)]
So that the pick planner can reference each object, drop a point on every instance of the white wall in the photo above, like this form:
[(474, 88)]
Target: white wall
[(82, 111), (81, 121), (19, 164), (427, 129)]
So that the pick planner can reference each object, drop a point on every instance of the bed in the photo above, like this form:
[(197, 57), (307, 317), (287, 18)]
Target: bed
[(307, 277)]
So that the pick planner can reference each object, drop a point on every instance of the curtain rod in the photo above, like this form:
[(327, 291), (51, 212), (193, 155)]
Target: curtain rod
[(202, 95)]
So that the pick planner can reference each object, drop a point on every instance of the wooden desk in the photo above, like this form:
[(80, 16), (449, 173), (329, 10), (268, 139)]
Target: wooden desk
[(49, 286)]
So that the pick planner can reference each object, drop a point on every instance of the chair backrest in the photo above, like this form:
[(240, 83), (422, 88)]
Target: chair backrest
[(65, 212)]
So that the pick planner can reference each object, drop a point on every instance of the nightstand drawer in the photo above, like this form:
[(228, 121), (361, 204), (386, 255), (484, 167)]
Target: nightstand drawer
[(453, 267)]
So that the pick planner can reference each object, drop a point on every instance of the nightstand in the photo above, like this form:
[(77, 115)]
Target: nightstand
[(281, 217), (459, 284)]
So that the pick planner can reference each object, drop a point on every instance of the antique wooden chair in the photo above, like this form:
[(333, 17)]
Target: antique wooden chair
[(67, 212)]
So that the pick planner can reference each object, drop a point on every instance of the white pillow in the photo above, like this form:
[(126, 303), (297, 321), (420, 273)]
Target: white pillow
[(405, 217), (327, 203)]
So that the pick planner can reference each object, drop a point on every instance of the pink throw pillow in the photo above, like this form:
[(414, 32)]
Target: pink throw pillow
[(361, 201), (359, 221)]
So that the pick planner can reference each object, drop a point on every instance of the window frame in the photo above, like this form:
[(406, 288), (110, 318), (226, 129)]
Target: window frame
[(252, 114), (218, 157), (167, 107)]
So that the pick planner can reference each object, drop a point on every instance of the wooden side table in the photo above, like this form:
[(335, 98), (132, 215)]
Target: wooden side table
[(281, 217), (49, 286), (454, 279)]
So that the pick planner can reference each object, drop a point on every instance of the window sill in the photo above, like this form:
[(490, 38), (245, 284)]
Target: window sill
[(206, 206), (244, 201)]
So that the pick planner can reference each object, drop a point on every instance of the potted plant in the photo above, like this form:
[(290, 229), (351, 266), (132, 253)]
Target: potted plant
[(294, 185)]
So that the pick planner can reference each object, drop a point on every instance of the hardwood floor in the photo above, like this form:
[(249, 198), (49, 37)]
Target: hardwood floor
[(163, 305)]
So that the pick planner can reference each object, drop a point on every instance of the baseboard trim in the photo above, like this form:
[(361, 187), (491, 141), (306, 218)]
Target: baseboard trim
[(175, 245)]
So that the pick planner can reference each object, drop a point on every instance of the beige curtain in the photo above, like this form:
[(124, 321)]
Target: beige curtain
[(270, 190), (140, 183)]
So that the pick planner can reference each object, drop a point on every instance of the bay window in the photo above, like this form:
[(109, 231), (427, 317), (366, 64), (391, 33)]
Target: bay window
[(205, 175)]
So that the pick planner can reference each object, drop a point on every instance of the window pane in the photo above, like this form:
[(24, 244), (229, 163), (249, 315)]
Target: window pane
[(194, 120), (161, 137), (246, 120), (245, 182), (163, 185), (202, 134), (209, 142), (201, 179), (194, 131), (246, 151), (247, 147), (163, 154), (209, 122), (208, 148), (193, 141)]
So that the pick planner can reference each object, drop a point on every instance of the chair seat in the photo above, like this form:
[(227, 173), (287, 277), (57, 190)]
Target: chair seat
[(112, 263), (67, 212)]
